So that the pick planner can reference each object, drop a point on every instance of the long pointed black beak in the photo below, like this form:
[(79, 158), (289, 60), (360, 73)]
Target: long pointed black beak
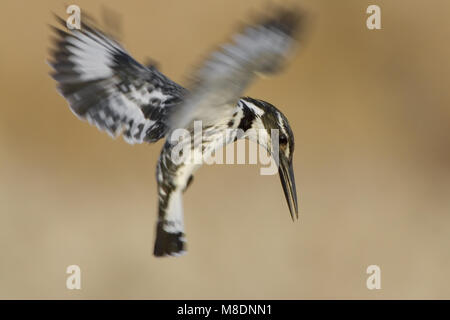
[(288, 182)]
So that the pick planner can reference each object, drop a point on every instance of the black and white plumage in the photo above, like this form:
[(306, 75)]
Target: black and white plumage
[(106, 86)]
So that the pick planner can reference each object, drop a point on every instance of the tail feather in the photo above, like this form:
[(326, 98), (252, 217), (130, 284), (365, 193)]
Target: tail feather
[(168, 243), (170, 240)]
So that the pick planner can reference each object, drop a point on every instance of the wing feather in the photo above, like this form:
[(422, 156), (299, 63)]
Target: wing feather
[(107, 87), (260, 48)]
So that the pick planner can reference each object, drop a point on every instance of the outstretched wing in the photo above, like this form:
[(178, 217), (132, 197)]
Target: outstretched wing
[(260, 48), (106, 86)]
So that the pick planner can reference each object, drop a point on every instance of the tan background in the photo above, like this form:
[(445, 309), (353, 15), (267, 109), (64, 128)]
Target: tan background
[(370, 111)]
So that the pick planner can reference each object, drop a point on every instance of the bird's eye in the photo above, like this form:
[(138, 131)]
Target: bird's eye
[(283, 139)]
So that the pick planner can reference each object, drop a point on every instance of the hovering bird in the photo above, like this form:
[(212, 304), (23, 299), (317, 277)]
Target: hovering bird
[(104, 85)]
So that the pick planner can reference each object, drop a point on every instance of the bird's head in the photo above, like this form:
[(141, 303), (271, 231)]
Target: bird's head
[(279, 141)]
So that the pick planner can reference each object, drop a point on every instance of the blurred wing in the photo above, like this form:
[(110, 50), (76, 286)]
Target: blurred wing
[(259, 49), (107, 87)]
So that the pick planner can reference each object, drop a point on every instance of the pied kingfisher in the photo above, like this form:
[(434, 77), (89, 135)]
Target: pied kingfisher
[(104, 85)]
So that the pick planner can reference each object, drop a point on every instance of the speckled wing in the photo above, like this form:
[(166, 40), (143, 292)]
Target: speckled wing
[(260, 48), (107, 87)]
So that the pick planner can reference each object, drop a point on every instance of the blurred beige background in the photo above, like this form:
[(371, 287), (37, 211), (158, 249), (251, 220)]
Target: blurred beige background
[(370, 111)]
